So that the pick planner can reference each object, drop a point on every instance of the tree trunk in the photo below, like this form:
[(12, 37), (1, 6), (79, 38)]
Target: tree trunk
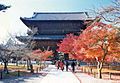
[(16, 61), (31, 68), (100, 73), (44, 63), (28, 65), (5, 67), (40, 65), (99, 68)]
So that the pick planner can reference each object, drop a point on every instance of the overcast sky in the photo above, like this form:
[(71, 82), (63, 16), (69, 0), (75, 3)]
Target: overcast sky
[(10, 20)]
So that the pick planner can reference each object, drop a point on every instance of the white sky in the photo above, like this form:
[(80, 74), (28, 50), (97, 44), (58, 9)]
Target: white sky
[(10, 20)]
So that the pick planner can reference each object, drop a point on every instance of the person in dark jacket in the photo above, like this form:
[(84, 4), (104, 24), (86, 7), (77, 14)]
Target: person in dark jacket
[(67, 64), (73, 66)]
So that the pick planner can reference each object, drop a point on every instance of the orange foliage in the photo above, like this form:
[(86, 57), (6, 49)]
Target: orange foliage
[(66, 45), (42, 55), (98, 40), (46, 54)]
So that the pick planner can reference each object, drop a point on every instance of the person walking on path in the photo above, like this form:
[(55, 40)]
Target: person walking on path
[(61, 65), (73, 66), (67, 64), (57, 64)]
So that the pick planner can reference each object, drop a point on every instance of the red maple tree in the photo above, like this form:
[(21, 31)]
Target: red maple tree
[(42, 55), (66, 45), (98, 41)]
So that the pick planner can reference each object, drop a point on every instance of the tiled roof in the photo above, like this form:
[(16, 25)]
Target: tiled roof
[(59, 16), (42, 37)]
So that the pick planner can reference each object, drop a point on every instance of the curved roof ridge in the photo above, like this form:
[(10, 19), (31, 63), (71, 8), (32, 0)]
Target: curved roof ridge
[(59, 12), (59, 16)]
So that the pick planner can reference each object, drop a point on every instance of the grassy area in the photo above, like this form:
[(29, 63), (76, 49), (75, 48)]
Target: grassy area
[(14, 67), (111, 72), (20, 70), (104, 70), (19, 67)]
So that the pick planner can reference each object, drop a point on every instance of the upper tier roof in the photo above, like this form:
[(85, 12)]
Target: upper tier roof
[(59, 16)]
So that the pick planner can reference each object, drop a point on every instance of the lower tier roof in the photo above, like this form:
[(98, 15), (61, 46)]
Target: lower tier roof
[(41, 37)]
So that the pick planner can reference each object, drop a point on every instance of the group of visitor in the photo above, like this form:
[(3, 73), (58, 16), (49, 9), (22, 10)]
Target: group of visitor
[(60, 65)]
